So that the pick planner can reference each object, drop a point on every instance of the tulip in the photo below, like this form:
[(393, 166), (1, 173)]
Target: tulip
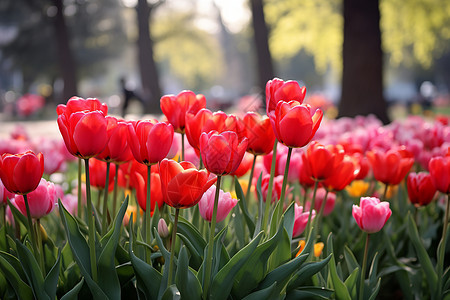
[(5, 194), (194, 126), (321, 161), (330, 201), (278, 90), (277, 185), (301, 220), (41, 201), (439, 168), (163, 230), (421, 189), (150, 141), (392, 166), (343, 175), (117, 149), (21, 173), (76, 104), (225, 204), (140, 184), (372, 214), (294, 124), (97, 172), (259, 133), (244, 166), (222, 152), (357, 188), (176, 107)]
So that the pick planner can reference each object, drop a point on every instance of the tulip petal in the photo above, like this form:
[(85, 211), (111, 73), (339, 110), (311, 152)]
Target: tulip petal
[(90, 134)]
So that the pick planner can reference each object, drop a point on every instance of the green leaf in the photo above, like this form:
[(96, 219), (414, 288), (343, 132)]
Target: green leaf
[(267, 293), (220, 256), (424, 259), (196, 259), (289, 219), (376, 289), (311, 292), (306, 272), (243, 206), (73, 293), (15, 263), (373, 272), (350, 282), (350, 259), (260, 208), (80, 251), (17, 214), (340, 289), (194, 236), (108, 279), (282, 253), (186, 281), (223, 281), (171, 293), (32, 270), (23, 291)]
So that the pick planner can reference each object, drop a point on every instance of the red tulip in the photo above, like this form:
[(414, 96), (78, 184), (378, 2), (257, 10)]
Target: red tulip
[(343, 175), (97, 174), (259, 133), (176, 107), (372, 214), (222, 152), (439, 168), (139, 182), (279, 90), (244, 166), (392, 166), (421, 189), (150, 141), (277, 186), (320, 161), (41, 201), (76, 104), (194, 126), (117, 150), (84, 133), (21, 173), (294, 124), (182, 184)]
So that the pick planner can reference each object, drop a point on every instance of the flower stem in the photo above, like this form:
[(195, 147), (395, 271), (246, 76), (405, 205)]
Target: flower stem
[(116, 176), (40, 246), (148, 209), (270, 188), (208, 266), (318, 219), (105, 201), (80, 207), (182, 146), (285, 177), (249, 187), (91, 224), (172, 250), (305, 196), (31, 228), (363, 270), (309, 225), (385, 191), (4, 224), (441, 254)]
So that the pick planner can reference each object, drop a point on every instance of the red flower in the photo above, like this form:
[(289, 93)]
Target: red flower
[(294, 124), (279, 90), (343, 175), (84, 132), (244, 166), (97, 174), (182, 184), (259, 133), (76, 104), (194, 126), (392, 166), (150, 141), (421, 189), (439, 168), (176, 107), (117, 149), (222, 152), (139, 182), (320, 161), (21, 173)]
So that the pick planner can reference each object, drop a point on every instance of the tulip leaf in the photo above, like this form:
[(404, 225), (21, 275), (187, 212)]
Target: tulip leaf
[(185, 228), (196, 259), (255, 269), (243, 206), (274, 220), (306, 272), (260, 206), (424, 259), (309, 292), (186, 281), (266, 293), (15, 263), (148, 280), (165, 253), (224, 279), (73, 293), (32, 270), (340, 289), (350, 259), (282, 253), (376, 289), (109, 281), (350, 282), (80, 251), (23, 291), (373, 272), (289, 219), (171, 293)]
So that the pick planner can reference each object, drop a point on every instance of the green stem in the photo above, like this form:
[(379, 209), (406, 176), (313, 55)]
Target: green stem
[(201, 161), (249, 187), (116, 176), (208, 267), (385, 192), (182, 146), (40, 246), (313, 201), (441, 254), (4, 224), (285, 177), (91, 224), (148, 209), (105, 201), (363, 270), (269, 189), (305, 196), (318, 220), (31, 228), (80, 207), (172, 248)]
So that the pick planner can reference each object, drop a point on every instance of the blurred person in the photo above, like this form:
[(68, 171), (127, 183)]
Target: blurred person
[(128, 94)]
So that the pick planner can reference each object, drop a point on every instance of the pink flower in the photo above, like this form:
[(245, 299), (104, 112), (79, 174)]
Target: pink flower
[(301, 220), (5, 194), (320, 195), (225, 204), (41, 200), (372, 214)]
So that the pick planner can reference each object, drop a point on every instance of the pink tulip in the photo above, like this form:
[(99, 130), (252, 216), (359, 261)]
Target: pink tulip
[(5, 194), (41, 201), (301, 220), (225, 204), (320, 195), (372, 214)]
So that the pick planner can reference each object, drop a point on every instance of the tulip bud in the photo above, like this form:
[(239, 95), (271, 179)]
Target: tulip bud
[(162, 228)]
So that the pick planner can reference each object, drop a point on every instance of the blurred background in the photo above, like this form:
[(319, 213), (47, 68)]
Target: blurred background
[(386, 57)]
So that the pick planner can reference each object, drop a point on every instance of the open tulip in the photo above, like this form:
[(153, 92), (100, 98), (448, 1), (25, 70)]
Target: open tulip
[(222, 152), (392, 166), (182, 184), (278, 90), (301, 220), (294, 124), (421, 189), (150, 141), (372, 214), (321, 161), (343, 175), (225, 204), (259, 133), (117, 149), (76, 104), (21, 173), (41, 201), (439, 168), (176, 107)]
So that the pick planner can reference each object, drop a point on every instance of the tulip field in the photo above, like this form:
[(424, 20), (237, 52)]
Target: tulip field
[(196, 204)]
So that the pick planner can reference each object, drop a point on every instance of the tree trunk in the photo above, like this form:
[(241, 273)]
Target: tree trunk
[(261, 36), (362, 76), (147, 66), (66, 58)]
